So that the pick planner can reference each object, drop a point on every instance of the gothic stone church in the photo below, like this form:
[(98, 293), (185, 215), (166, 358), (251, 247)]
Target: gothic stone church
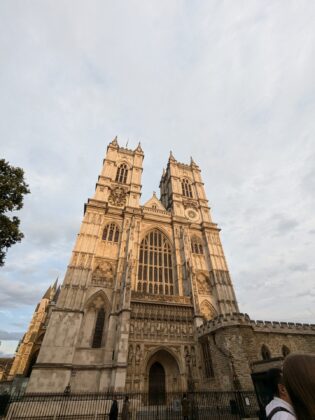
[(147, 302)]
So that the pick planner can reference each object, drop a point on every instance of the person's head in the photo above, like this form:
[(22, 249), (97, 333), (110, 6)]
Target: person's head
[(126, 398), (299, 379), (277, 385)]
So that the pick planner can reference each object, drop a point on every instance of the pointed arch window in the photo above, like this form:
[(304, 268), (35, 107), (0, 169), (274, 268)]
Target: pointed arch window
[(196, 246), (207, 359), (265, 352), (111, 233), (99, 328), (121, 174), (186, 188), (155, 272)]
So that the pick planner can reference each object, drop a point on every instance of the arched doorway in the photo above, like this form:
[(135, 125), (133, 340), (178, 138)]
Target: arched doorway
[(162, 376), (157, 384)]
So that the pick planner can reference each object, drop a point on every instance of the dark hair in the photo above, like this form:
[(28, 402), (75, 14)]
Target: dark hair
[(275, 378), (299, 380)]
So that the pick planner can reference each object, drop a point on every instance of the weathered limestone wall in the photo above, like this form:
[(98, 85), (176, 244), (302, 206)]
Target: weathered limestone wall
[(236, 342)]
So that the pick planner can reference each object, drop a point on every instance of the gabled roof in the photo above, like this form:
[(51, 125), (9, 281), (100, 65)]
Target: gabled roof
[(154, 202)]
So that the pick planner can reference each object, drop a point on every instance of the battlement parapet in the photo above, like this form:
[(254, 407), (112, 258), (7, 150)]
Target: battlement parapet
[(243, 320)]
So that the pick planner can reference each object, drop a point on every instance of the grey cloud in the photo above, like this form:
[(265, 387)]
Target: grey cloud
[(299, 267), (284, 225), (5, 335), (4, 355), (16, 293)]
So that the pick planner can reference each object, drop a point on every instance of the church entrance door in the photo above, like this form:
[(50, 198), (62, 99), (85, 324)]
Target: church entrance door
[(157, 384)]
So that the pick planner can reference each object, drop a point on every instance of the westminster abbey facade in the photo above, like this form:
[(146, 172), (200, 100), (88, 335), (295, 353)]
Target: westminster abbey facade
[(140, 281), (147, 303)]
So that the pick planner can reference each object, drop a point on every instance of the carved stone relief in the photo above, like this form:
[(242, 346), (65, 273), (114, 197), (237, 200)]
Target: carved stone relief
[(117, 197), (190, 204), (203, 282), (103, 275)]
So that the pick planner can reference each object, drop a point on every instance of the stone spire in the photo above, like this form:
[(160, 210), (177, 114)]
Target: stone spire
[(114, 142), (192, 162), (139, 148), (171, 157)]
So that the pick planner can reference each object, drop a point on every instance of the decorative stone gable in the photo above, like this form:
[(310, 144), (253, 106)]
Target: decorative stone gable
[(154, 203), (103, 275), (204, 286)]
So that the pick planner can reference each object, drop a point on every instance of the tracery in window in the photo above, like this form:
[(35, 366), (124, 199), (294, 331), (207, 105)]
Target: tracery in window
[(155, 273), (99, 328), (196, 246), (186, 188), (111, 233), (122, 172), (265, 352)]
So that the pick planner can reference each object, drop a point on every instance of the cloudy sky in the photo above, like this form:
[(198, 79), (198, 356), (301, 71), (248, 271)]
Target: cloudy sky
[(231, 83)]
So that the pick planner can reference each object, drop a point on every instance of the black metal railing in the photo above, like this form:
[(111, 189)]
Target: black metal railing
[(202, 405)]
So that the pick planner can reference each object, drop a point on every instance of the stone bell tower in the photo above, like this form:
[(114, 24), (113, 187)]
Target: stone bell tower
[(86, 342), (206, 272)]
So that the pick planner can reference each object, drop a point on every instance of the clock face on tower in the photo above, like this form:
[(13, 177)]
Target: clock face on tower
[(192, 214)]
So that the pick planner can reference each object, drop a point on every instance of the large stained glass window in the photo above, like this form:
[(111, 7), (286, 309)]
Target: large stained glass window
[(155, 272), (99, 327)]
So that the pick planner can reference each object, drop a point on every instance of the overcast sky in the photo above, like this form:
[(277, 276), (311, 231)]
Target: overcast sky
[(231, 83)]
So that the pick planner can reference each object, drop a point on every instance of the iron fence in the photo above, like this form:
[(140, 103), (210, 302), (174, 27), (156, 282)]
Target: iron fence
[(202, 405)]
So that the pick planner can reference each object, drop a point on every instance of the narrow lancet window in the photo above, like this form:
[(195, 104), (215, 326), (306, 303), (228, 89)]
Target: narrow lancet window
[(111, 233), (121, 175), (186, 188), (99, 327), (196, 246), (207, 359)]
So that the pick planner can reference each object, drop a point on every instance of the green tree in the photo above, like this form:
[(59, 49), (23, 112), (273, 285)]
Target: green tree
[(12, 191)]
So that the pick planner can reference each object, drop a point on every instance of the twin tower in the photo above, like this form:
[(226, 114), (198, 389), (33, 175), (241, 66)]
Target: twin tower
[(140, 281)]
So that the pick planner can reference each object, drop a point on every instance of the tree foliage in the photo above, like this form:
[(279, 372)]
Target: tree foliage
[(12, 191)]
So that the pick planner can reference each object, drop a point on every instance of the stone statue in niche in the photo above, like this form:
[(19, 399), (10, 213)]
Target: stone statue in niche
[(187, 355), (117, 197), (138, 354), (193, 356), (130, 354)]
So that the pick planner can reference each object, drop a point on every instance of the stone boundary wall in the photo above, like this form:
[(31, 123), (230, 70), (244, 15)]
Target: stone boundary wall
[(243, 320)]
